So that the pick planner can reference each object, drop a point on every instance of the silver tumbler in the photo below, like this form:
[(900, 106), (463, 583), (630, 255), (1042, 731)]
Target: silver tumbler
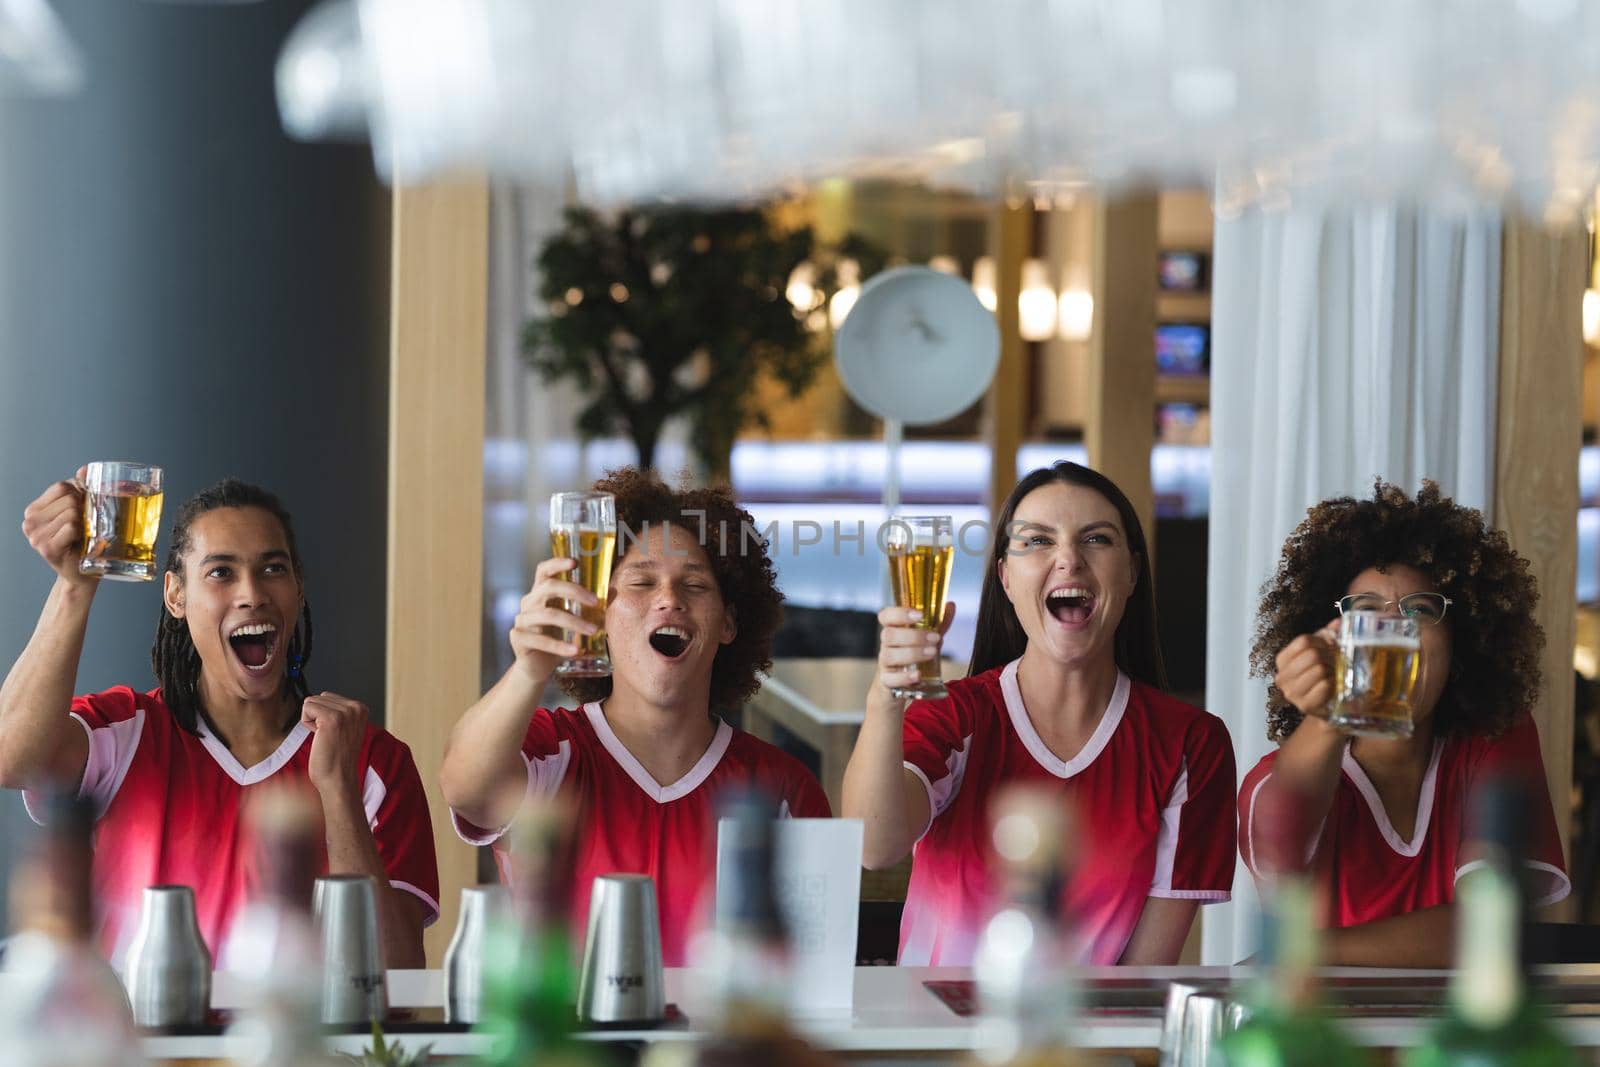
[(168, 969), (353, 978), (481, 906), (621, 979), (1178, 994)]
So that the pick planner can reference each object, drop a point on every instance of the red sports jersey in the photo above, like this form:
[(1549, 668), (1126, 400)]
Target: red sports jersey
[(1364, 868), (170, 804), (1152, 791), (628, 823)]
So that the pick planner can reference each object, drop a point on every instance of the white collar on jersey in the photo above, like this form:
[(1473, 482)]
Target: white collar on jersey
[(1369, 793), (261, 771), (657, 792), (1035, 744)]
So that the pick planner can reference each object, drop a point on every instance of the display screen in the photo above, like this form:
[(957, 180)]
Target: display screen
[(1183, 348)]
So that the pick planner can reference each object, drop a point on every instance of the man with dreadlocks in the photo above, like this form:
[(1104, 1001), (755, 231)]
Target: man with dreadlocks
[(169, 770)]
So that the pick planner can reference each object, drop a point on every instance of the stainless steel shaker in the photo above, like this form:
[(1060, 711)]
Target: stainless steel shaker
[(621, 979), (481, 906), (168, 968), (354, 987)]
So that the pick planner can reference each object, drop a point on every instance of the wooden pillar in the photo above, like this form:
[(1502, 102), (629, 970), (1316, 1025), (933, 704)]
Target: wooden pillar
[(1536, 456), (1119, 427), (438, 364), (1009, 240)]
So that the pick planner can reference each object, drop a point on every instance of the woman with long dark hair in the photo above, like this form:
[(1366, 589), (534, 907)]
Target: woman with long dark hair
[(170, 769), (1066, 687)]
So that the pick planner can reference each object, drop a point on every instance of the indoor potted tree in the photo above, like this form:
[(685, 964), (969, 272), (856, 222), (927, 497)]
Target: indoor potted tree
[(668, 312)]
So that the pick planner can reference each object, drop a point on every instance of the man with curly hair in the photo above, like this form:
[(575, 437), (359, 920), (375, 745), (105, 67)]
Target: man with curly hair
[(690, 616), (1391, 813)]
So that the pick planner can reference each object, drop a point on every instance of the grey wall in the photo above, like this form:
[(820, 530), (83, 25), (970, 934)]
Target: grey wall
[(180, 283)]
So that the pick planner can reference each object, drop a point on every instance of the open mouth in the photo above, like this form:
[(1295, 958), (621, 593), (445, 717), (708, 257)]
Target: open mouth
[(1071, 604), (254, 643), (670, 641)]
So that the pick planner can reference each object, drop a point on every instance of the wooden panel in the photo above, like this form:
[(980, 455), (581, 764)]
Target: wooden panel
[(1536, 465), (436, 419), (1007, 406), (1120, 429)]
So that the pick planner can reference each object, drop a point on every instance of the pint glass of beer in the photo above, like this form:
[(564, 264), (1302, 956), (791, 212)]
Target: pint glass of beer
[(1375, 674), (121, 512), (922, 549), (583, 526)]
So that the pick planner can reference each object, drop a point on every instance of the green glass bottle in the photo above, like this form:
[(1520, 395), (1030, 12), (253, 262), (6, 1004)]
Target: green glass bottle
[(1287, 1026), (1493, 1018), (530, 994)]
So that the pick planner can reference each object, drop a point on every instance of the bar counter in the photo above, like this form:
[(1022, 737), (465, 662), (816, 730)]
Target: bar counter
[(897, 1017)]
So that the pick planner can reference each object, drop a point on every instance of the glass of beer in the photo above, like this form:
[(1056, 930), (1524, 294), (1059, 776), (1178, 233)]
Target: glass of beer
[(922, 549), (1375, 674), (121, 513), (583, 526)]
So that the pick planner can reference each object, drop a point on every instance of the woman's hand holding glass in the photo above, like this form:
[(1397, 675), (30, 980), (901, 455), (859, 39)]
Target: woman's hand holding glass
[(904, 646), (1305, 671), (542, 619)]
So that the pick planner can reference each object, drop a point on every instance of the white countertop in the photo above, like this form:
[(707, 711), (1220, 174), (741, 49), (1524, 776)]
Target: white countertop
[(894, 1013)]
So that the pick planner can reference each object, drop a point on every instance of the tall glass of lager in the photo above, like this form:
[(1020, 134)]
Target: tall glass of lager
[(1375, 674), (121, 513), (921, 549), (583, 526)]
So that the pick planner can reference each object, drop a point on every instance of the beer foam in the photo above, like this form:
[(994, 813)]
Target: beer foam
[(1383, 641)]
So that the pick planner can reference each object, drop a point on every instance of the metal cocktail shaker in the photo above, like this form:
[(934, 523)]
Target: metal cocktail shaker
[(463, 960), (353, 981), (622, 980), (168, 969)]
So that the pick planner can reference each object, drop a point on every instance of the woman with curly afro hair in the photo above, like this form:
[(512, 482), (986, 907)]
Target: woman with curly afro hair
[(689, 620), (1392, 811)]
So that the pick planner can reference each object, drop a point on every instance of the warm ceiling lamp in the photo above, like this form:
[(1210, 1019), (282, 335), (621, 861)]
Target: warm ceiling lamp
[(1036, 304), (1075, 311), (983, 282)]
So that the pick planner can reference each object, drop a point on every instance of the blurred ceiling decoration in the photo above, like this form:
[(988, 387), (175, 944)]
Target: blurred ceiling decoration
[(37, 57), (1454, 100)]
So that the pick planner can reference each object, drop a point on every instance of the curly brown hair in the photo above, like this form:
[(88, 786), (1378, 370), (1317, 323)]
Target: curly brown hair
[(1495, 642), (739, 561)]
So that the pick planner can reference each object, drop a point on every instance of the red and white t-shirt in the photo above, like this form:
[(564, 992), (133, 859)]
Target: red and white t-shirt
[(1152, 792), (630, 824), (170, 812), (1366, 871)]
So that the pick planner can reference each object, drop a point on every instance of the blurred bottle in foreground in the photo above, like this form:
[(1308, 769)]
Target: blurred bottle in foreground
[(64, 1005), (275, 944), (1023, 960), (744, 954), (1287, 1026), (1493, 1018), (530, 978)]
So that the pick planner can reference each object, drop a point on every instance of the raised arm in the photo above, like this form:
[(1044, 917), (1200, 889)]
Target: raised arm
[(483, 768), (39, 743), (890, 800), (1308, 760)]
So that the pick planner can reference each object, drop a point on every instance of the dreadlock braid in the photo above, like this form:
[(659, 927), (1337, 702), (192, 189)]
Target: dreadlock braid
[(173, 657)]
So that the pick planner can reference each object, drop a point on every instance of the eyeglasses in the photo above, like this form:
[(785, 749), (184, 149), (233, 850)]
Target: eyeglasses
[(1426, 608)]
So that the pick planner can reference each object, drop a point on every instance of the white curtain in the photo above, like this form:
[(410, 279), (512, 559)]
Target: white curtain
[(1348, 343), (530, 437), (531, 446)]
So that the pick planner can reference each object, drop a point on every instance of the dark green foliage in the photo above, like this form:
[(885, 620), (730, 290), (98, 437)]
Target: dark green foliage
[(705, 313)]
